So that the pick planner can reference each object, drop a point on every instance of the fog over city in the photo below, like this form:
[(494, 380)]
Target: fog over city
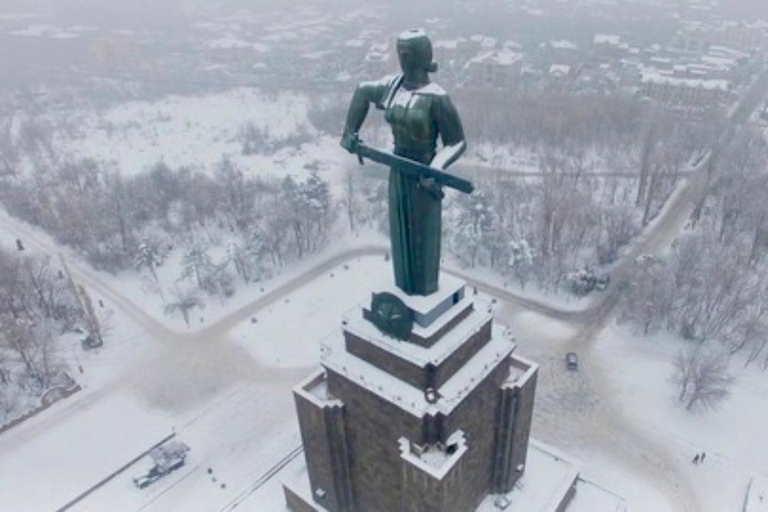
[(357, 255)]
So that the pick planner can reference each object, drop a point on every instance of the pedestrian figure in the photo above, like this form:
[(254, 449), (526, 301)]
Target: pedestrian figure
[(703, 454), (696, 459)]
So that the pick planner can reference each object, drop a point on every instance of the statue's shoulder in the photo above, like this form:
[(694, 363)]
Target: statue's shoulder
[(432, 89), (386, 82)]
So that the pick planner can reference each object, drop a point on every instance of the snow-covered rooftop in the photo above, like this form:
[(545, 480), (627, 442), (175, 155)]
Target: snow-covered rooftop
[(418, 355), (503, 57), (488, 42), (609, 39), (447, 44), (448, 285), (435, 460), (559, 70), (563, 45), (549, 475), (507, 57), (231, 42), (654, 77), (409, 398)]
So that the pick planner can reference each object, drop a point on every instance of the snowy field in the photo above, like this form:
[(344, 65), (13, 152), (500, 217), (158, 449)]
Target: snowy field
[(197, 132), (86, 444), (733, 436), (281, 340), (249, 426)]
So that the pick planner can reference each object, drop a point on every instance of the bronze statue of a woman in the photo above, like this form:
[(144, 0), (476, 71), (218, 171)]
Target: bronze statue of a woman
[(418, 111)]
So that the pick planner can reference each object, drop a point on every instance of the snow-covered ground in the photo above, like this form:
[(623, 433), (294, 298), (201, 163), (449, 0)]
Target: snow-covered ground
[(757, 500), (227, 390), (46, 471), (196, 132), (733, 436), (249, 426), (280, 339), (47, 31)]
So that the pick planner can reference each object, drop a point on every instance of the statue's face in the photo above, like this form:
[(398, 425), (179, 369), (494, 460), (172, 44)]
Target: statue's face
[(414, 51), (409, 58)]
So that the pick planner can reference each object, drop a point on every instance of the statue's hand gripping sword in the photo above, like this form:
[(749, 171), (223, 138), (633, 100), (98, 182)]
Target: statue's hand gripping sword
[(412, 167)]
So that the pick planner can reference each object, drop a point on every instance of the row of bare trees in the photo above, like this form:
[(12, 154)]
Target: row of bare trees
[(37, 304), (712, 287), (110, 219)]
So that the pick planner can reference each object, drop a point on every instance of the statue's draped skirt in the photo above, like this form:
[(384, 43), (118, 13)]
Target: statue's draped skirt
[(415, 227)]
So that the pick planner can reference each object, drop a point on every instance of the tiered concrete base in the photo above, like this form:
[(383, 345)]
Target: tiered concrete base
[(551, 484), (432, 424)]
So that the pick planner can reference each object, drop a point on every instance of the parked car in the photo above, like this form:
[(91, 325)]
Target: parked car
[(572, 361), (602, 282)]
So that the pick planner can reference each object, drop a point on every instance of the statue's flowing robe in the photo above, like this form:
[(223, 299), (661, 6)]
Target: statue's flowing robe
[(417, 117)]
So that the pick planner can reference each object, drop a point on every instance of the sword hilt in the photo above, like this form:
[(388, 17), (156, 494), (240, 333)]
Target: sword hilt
[(358, 143)]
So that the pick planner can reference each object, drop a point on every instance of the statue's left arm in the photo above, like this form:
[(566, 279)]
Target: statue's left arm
[(451, 133)]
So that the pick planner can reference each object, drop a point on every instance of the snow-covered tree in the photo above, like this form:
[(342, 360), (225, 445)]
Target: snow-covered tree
[(472, 225), (234, 193), (197, 263), (148, 256), (183, 302), (648, 296), (703, 377), (93, 320), (521, 257), (33, 345), (310, 210)]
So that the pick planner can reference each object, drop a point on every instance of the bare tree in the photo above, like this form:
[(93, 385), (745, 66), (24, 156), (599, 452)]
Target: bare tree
[(5, 372), (702, 375), (94, 324), (34, 347), (351, 199), (183, 302)]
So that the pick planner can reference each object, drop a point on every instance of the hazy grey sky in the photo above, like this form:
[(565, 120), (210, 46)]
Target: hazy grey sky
[(116, 9)]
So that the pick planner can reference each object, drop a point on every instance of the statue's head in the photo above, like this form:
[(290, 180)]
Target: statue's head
[(414, 51)]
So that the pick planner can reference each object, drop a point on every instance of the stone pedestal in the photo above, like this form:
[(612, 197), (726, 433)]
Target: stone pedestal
[(435, 423)]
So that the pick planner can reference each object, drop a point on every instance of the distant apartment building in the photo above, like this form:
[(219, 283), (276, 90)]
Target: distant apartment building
[(379, 60), (686, 93), (563, 52), (606, 47), (697, 37), (494, 68)]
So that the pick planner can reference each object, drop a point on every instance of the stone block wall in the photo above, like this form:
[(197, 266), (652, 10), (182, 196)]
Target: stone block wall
[(422, 377), (513, 425), (323, 434), (428, 489), (373, 426)]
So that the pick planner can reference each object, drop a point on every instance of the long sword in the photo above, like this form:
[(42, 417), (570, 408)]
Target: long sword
[(412, 167)]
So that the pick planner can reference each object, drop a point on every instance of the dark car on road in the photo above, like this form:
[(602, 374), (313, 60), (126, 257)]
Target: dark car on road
[(572, 361)]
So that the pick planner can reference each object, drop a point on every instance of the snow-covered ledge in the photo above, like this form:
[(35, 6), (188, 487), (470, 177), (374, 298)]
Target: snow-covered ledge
[(315, 390), (437, 459)]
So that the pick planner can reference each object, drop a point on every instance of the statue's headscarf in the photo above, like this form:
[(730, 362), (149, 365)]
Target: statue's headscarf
[(417, 41)]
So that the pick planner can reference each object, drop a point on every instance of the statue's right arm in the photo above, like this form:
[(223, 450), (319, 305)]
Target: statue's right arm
[(365, 94)]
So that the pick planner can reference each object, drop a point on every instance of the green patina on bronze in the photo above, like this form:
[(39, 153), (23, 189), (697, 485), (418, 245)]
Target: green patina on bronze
[(419, 112), (391, 316)]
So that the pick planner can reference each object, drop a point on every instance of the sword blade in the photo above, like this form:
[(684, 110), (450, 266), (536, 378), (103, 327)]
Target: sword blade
[(414, 168)]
